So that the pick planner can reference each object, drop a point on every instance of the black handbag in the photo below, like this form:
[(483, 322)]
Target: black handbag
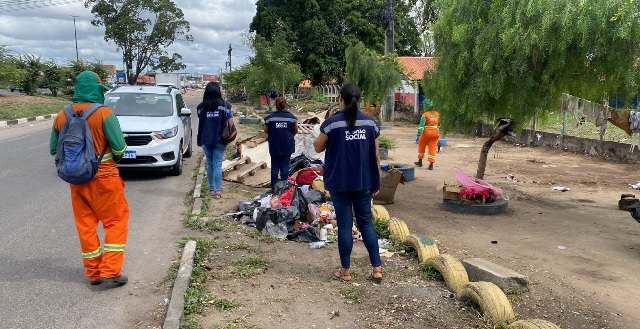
[(228, 133)]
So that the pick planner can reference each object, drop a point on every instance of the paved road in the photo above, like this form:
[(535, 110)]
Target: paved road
[(42, 280)]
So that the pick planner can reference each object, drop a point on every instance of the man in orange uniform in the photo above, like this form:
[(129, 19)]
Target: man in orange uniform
[(429, 134), (101, 199)]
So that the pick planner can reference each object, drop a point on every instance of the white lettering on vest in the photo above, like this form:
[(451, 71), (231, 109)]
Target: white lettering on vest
[(356, 134), (213, 114), (281, 125)]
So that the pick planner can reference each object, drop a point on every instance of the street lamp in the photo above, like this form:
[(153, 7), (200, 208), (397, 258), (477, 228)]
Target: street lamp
[(75, 36)]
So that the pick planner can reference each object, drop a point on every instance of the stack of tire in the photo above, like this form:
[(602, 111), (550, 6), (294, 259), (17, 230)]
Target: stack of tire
[(489, 297)]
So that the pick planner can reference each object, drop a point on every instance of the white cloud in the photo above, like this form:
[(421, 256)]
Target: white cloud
[(48, 32)]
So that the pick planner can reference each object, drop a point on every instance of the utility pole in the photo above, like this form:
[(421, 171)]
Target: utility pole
[(75, 36), (388, 50), (229, 53)]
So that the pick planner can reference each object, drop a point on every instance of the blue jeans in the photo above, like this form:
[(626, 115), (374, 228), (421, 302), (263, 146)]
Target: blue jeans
[(345, 203), (279, 165), (214, 153)]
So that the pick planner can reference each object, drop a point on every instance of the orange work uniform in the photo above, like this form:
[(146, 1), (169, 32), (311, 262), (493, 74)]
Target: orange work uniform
[(429, 135), (101, 199)]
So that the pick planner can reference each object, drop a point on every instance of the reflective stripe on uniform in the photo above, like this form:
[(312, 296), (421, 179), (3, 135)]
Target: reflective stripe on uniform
[(114, 247), (92, 254), (106, 157), (431, 127), (432, 157)]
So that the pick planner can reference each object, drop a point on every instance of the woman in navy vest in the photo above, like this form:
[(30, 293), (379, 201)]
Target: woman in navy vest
[(280, 127), (212, 113), (352, 176)]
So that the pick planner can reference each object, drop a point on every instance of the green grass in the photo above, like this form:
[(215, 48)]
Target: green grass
[(49, 105), (353, 294), (197, 293), (251, 266), (430, 273), (225, 304)]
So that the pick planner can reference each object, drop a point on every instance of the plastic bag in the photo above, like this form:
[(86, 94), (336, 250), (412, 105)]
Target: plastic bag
[(264, 216), (281, 187), (285, 198), (299, 202), (297, 163), (278, 231), (315, 196)]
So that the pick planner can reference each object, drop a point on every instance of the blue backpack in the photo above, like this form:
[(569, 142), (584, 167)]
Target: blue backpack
[(76, 158)]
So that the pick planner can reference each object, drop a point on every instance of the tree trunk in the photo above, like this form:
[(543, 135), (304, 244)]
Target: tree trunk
[(482, 162)]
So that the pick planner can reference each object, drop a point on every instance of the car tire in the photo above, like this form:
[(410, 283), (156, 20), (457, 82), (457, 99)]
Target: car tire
[(176, 169), (189, 151)]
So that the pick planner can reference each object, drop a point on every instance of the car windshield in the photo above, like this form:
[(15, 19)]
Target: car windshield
[(142, 104)]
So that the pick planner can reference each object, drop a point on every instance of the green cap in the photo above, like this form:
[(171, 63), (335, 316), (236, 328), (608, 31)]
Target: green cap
[(89, 88)]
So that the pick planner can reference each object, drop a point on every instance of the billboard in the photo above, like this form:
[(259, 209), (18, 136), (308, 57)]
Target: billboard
[(210, 77)]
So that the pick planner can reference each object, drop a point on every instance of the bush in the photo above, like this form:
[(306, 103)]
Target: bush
[(386, 142)]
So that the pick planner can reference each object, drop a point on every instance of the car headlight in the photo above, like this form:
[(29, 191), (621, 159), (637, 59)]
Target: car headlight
[(167, 133)]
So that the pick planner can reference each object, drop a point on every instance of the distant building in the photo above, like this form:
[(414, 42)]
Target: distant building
[(414, 68)]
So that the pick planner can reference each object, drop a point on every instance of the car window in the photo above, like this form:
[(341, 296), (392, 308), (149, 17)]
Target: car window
[(140, 104)]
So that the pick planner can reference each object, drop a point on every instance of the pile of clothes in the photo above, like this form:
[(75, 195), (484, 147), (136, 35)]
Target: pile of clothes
[(297, 209)]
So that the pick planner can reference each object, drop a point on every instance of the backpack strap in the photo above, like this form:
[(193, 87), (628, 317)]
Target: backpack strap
[(68, 111)]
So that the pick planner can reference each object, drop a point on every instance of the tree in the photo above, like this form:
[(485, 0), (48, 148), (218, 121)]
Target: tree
[(141, 29), (166, 64), (515, 58), (73, 68), (10, 73), (273, 67), (53, 77), (32, 67), (426, 14), (319, 31), (374, 74)]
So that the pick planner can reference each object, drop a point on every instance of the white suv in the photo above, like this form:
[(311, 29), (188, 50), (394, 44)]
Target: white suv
[(156, 124)]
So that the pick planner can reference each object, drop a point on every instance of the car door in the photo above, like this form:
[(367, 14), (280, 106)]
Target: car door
[(186, 120)]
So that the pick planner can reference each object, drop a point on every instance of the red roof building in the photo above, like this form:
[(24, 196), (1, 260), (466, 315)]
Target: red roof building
[(414, 68)]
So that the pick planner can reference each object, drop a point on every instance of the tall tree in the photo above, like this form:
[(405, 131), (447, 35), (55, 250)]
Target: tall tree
[(320, 30), (166, 64), (141, 29), (10, 73), (515, 58)]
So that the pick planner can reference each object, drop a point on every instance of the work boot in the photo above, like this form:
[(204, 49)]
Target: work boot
[(95, 282), (430, 166), (116, 281), (418, 163)]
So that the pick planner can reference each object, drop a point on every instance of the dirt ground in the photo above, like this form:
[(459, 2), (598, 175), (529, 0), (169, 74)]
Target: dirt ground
[(580, 253)]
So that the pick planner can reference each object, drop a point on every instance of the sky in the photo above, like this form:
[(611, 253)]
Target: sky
[(45, 29)]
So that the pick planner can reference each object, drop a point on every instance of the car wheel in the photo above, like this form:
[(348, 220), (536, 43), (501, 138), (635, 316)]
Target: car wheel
[(189, 151), (176, 169)]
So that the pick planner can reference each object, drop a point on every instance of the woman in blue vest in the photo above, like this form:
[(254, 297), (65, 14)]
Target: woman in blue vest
[(352, 176), (280, 127), (212, 113)]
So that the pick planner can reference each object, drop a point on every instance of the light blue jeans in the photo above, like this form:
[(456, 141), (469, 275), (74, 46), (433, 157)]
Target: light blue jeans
[(214, 154)]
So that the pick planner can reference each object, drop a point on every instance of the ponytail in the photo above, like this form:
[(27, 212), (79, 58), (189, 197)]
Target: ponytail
[(350, 94)]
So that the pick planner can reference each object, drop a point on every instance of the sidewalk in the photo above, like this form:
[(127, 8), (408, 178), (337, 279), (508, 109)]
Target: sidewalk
[(6, 123)]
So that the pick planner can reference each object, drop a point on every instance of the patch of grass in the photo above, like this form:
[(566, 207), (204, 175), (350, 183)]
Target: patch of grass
[(429, 272), (240, 246), (382, 228), (197, 293), (171, 274), (353, 294), (14, 108), (517, 297), (215, 224), (225, 304), (251, 266)]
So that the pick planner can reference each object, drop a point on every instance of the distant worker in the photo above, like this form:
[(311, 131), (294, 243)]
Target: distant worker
[(280, 127), (428, 134), (101, 199)]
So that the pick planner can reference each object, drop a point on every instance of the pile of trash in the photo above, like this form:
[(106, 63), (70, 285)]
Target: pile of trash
[(297, 209)]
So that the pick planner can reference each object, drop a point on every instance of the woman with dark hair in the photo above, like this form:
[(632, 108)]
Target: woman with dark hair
[(212, 114), (352, 176), (280, 127)]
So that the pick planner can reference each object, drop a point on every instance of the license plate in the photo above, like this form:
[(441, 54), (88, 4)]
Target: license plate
[(129, 154)]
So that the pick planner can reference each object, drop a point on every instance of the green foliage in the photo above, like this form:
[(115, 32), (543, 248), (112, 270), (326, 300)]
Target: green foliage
[(386, 142), (32, 67), (318, 96), (353, 293), (319, 31), (166, 64), (273, 68), (141, 29), (10, 73), (53, 78), (74, 68), (374, 74), (516, 58), (382, 228), (225, 304), (196, 293)]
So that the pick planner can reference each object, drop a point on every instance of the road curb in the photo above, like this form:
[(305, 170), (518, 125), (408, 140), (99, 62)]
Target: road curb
[(175, 311), (6, 123)]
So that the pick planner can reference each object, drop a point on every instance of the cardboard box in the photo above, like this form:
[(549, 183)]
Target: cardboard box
[(451, 192), (389, 181)]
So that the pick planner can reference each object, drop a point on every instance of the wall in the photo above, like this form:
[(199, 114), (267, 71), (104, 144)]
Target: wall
[(611, 151)]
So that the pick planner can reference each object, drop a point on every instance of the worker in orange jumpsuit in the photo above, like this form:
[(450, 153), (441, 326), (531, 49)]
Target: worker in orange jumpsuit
[(102, 199), (428, 134)]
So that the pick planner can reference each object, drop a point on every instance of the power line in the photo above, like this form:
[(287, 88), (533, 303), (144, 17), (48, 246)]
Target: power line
[(19, 5)]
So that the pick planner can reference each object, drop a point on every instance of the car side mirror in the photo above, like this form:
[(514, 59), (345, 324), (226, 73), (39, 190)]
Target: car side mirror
[(185, 112)]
